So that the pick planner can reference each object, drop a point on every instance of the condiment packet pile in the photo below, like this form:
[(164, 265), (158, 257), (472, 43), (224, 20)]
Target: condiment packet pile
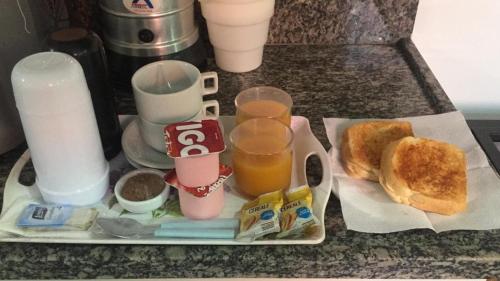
[(290, 217)]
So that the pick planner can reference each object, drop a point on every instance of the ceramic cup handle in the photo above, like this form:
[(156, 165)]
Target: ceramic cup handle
[(206, 76), (211, 104)]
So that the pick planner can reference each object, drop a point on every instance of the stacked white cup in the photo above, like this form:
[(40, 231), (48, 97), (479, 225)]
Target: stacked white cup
[(238, 31), (168, 92)]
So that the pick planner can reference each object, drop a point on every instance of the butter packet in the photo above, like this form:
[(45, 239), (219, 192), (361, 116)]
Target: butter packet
[(297, 218), (60, 217), (260, 217)]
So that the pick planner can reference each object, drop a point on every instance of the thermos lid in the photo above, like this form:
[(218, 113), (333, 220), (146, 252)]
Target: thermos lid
[(86, 47), (49, 83), (74, 41), (69, 34)]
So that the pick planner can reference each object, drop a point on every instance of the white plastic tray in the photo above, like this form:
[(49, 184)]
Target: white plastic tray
[(305, 145)]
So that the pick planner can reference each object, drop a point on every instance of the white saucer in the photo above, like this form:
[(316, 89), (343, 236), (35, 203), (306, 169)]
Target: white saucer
[(139, 153), (134, 164)]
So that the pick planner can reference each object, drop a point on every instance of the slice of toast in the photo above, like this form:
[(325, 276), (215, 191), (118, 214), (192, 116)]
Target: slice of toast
[(363, 143), (427, 174)]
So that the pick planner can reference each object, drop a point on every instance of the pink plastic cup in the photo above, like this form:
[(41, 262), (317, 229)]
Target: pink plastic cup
[(203, 202), (201, 208), (195, 147), (197, 170)]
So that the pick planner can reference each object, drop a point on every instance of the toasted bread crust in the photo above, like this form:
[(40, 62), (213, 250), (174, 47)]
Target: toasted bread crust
[(363, 143), (427, 174), (351, 167)]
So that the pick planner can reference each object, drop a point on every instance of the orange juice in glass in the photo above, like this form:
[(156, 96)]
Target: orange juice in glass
[(264, 101), (262, 156)]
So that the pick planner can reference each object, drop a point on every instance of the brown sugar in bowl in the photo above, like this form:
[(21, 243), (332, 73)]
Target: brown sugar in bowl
[(142, 190), (143, 186)]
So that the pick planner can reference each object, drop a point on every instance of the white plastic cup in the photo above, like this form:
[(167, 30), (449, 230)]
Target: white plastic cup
[(238, 30), (58, 119)]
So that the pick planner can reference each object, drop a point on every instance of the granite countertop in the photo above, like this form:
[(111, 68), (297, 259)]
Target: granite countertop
[(324, 81)]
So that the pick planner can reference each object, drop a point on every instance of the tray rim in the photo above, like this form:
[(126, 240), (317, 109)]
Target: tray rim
[(327, 181)]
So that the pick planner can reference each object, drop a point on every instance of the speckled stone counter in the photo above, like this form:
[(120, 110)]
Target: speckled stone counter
[(300, 21), (324, 81), (341, 22)]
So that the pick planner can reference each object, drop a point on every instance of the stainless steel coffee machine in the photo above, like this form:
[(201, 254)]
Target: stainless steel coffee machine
[(138, 32)]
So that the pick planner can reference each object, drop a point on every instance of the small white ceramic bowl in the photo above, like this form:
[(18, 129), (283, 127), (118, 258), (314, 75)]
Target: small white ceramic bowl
[(146, 205)]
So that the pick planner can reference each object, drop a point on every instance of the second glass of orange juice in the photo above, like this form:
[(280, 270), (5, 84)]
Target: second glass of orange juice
[(266, 102), (262, 156)]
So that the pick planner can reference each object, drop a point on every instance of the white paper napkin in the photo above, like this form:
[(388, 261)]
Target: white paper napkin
[(367, 208)]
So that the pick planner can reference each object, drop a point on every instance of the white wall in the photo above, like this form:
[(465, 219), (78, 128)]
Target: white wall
[(460, 40)]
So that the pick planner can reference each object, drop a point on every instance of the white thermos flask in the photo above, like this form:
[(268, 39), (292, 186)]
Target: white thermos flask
[(58, 120)]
